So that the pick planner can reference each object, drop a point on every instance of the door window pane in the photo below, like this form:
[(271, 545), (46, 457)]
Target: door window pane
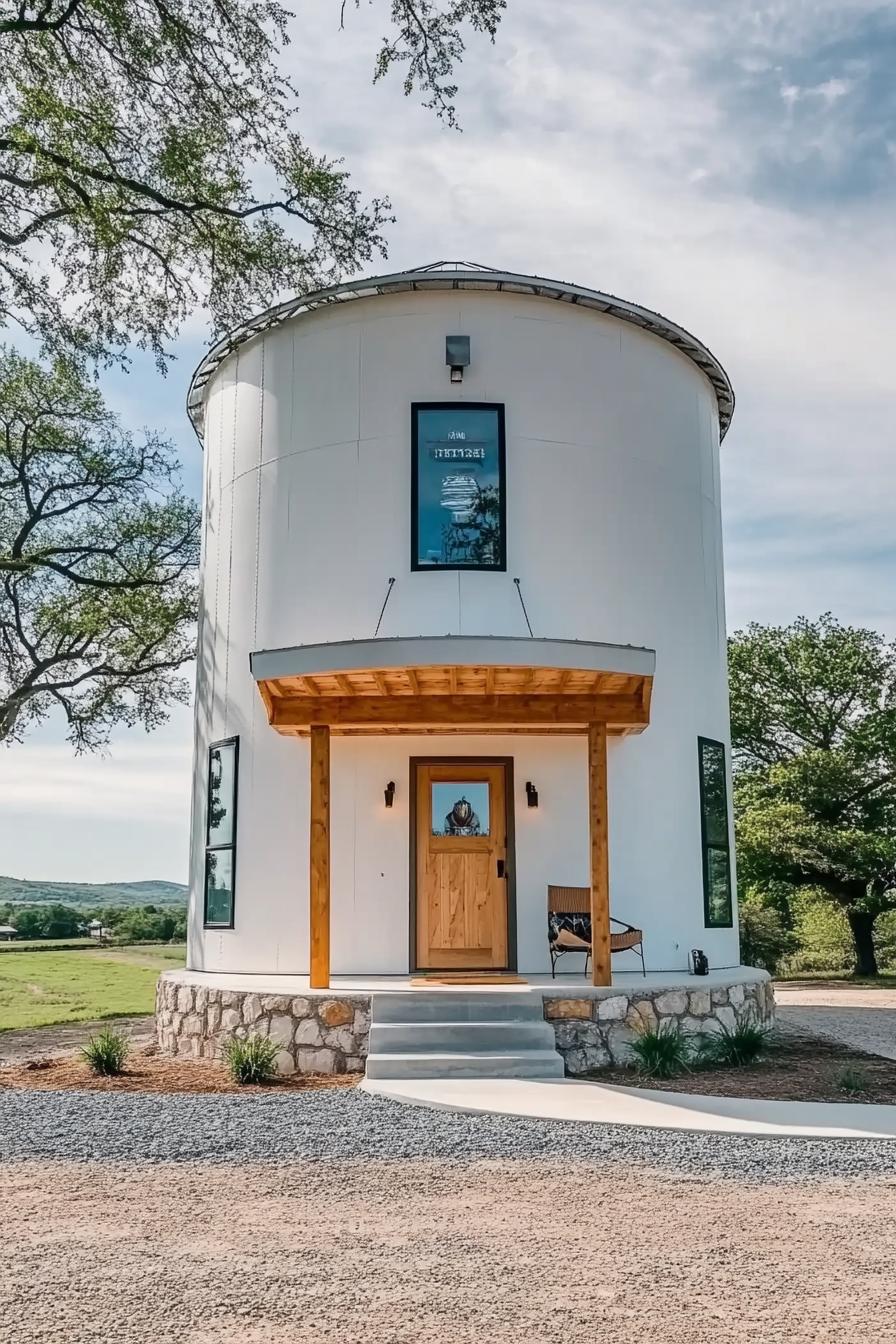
[(219, 886), (460, 808)]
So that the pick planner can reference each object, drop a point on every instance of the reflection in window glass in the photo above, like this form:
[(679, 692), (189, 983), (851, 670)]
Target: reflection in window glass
[(220, 849), (458, 487), (717, 901), (718, 887), (715, 798), (219, 886), (221, 794), (460, 808)]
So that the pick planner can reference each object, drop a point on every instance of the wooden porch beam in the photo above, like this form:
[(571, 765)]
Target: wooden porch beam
[(433, 710), (319, 848), (600, 867)]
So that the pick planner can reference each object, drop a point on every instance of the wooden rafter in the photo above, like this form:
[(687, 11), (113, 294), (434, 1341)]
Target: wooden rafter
[(455, 710), (457, 698)]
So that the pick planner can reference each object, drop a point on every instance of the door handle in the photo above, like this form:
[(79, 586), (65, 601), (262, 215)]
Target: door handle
[(501, 872)]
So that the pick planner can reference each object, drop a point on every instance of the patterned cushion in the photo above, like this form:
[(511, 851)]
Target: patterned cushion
[(570, 931)]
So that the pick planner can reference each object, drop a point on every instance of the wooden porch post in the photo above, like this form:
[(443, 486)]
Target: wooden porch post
[(600, 867), (319, 845)]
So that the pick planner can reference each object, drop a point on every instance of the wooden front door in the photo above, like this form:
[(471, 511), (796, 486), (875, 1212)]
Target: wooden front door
[(461, 866)]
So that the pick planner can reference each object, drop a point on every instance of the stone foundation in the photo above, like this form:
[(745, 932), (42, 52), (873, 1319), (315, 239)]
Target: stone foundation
[(316, 1034), (596, 1032), (329, 1032)]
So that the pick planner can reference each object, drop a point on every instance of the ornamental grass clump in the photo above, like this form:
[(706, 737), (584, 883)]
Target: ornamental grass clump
[(733, 1047), (661, 1052), (854, 1082), (107, 1052), (250, 1060)]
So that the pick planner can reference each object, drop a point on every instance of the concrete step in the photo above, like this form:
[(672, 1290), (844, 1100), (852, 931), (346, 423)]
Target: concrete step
[(452, 1005), (481, 1064), (461, 1034), (460, 1037)]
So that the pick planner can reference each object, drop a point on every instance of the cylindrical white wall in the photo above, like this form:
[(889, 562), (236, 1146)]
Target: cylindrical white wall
[(613, 527)]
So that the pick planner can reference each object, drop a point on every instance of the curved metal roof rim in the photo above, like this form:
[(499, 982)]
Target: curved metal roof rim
[(424, 277), (453, 265)]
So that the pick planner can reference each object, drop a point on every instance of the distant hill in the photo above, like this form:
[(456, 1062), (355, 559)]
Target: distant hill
[(21, 891)]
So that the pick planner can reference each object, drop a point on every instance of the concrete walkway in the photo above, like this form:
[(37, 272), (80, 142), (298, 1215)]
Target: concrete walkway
[(864, 1019), (599, 1103)]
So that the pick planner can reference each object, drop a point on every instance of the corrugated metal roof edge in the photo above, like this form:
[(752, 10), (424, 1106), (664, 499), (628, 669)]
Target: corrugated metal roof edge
[(475, 279)]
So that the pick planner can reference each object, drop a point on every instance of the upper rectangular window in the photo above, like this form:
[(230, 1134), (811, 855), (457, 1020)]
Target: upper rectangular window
[(220, 833), (717, 903), (457, 486)]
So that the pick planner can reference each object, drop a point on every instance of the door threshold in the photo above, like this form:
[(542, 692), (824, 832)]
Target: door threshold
[(467, 978)]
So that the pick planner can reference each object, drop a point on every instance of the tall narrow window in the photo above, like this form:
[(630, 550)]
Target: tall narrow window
[(220, 838), (716, 842), (458, 506)]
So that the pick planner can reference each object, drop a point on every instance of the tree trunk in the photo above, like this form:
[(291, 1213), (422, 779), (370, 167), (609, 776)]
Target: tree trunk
[(861, 924), (9, 712)]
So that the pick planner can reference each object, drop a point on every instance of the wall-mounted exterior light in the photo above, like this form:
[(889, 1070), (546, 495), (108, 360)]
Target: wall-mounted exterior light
[(389, 793), (457, 356), (531, 794)]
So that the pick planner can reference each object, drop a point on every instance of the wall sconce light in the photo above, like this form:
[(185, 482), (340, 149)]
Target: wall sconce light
[(389, 792), (531, 794), (457, 356)]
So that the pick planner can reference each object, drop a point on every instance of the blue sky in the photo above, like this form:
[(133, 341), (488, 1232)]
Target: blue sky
[(732, 166)]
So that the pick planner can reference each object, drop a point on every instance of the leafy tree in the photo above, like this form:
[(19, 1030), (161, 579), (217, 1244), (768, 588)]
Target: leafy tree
[(150, 150), (47, 921), (823, 941), (146, 926), (764, 936), (813, 721), (98, 554)]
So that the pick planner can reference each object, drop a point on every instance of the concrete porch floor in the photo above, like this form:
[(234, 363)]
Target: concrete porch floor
[(568, 985)]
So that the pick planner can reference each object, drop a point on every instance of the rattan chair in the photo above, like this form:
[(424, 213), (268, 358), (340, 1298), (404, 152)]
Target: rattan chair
[(569, 927)]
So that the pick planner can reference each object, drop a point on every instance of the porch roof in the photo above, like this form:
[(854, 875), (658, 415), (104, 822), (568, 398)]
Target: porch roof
[(456, 683)]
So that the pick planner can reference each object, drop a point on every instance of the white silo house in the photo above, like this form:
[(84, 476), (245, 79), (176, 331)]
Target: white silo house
[(461, 712)]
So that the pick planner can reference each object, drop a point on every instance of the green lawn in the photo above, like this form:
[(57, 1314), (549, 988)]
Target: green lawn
[(41, 988)]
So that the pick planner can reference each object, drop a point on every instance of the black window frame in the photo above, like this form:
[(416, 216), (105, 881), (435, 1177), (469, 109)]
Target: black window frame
[(416, 407), (209, 847), (707, 845)]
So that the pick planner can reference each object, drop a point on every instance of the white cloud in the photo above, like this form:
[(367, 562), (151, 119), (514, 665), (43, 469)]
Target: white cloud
[(129, 785), (831, 89)]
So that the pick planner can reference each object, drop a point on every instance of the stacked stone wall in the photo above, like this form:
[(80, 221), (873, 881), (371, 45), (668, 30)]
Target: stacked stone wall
[(315, 1034), (319, 1033), (596, 1033)]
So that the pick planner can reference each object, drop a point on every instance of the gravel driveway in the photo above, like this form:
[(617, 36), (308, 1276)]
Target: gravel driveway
[(337, 1216), (862, 1018)]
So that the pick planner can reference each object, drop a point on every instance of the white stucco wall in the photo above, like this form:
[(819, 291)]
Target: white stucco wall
[(613, 527)]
